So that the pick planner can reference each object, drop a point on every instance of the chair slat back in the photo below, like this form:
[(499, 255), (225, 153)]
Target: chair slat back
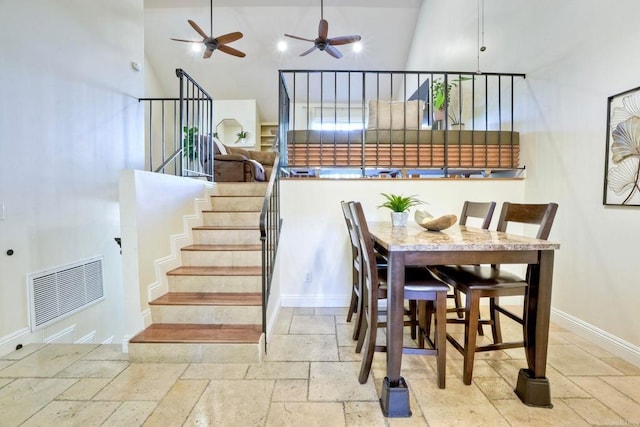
[(355, 245), (540, 214), (369, 268), (482, 210)]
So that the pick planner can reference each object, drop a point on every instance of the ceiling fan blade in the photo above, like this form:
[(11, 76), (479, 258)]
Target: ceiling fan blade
[(231, 51), (187, 41), (299, 38), (207, 53), (306, 52), (333, 51), (228, 38), (337, 41), (198, 29), (323, 29)]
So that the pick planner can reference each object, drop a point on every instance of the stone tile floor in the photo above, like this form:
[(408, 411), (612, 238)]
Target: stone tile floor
[(309, 378)]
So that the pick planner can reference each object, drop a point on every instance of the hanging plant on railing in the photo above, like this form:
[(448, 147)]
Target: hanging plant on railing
[(189, 149)]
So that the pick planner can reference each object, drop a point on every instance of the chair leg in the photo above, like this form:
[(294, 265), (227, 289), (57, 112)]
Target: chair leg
[(362, 330), (441, 337), (369, 348), (458, 304), (413, 317), (495, 321), (470, 327), (353, 305), (424, 318)]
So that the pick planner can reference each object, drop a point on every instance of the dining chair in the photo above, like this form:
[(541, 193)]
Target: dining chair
[(420, 286), (355, 305), (491, 281), (484, 212)]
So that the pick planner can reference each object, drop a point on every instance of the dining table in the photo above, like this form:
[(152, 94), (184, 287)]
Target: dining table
[(413, 245)]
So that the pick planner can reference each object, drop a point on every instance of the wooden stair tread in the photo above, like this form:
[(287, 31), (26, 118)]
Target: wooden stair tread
[(215, 271), (210, 298), (199, 333), (227, 227), (222, 248)]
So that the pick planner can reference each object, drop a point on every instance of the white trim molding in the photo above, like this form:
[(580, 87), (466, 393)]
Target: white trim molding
[(619, 347)]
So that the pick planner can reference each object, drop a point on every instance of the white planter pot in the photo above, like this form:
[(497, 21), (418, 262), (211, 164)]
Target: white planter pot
[(399, 219)]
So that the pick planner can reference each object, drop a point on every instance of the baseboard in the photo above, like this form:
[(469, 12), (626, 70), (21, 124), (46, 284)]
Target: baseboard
[(314, 300), (9, 342), (611, 343)]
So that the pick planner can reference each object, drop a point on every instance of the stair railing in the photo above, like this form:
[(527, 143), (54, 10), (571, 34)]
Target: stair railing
[(179, 131), (270, 225)]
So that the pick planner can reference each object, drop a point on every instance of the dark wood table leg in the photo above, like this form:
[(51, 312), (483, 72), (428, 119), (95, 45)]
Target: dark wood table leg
[(395, 393), (533, 386)]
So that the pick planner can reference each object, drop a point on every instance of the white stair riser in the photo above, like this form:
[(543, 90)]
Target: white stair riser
[(240, 189), (223, 203), (215, 283), (241, 315), (223, 237), (231, 218), (222, 258), (196, 353)]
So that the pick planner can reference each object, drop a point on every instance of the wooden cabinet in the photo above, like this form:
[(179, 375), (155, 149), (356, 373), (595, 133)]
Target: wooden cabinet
[(268, 131)]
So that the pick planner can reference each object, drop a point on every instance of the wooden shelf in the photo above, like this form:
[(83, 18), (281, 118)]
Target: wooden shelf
[(268, 132)]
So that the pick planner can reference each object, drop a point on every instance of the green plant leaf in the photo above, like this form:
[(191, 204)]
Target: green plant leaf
[(400, 203)]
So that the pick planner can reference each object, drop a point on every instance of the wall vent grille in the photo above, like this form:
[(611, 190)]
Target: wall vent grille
[(59, 292)]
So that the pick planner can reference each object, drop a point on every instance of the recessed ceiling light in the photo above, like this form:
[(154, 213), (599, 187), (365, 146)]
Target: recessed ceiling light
[(282, 45), (357, 47)]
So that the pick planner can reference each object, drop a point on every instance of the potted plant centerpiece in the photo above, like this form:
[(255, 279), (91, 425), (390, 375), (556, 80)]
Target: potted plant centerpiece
[(399, 206)]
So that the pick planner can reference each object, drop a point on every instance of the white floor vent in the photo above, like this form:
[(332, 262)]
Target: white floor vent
[(59, 292)]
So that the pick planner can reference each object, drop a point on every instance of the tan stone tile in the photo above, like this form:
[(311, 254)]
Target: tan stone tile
[(215, 371), (130, 414), (5, 381), (302, 348), (107, 352), (283, 322), (348, 354), (622, 366), (176, 406), (290, 391), (303, 310), (148, 381), (84, 389), (495, 388), (93, 369), (5, 363), (618, 402), (68, 412), (249, 400), (594, 412), (458, 404), (628, 385), (573, 360), (338, 381), (23, 352), (339, 312), (278, 370), (312, 414), (25, 396), (47, 361), (345, 334), (313, 324), (363, 414), (519, 414)]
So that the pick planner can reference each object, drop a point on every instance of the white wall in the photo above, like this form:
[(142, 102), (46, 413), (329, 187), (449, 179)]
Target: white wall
[(70, 121), (314, 256), (576, 54)]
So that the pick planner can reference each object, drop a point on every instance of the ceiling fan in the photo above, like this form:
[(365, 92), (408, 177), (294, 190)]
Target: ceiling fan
[(323, 42), (212, 43)]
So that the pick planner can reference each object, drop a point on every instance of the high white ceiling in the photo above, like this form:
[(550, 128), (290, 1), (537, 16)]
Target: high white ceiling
[(386, 27)]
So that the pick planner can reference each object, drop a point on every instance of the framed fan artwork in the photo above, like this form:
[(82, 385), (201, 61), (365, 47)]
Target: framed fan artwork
[(622, 160)]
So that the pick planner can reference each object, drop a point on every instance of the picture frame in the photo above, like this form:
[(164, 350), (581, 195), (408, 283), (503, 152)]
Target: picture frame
[(622, 157)]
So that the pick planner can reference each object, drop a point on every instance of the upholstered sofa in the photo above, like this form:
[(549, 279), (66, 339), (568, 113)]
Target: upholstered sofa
[(232, 164)]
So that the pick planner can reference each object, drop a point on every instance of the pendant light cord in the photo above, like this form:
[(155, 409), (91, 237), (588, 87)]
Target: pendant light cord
[(211, 22)]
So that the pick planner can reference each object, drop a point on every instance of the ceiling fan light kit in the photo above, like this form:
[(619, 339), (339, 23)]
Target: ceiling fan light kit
[(323, 42), (212, 43)]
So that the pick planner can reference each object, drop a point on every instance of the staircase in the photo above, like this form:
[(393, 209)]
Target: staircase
[(213, 309)]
